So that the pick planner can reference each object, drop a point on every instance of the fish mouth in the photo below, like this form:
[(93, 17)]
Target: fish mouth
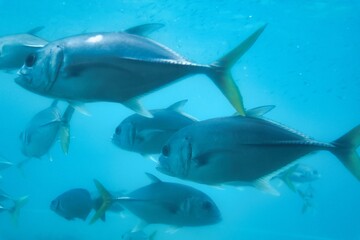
[(164, 167), (117, 141), (23, 80)]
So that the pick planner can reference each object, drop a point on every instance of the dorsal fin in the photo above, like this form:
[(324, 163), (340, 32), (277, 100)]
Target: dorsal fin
[(144, 29), (153, 178), (35, 30), (259, 111), (178, 106)]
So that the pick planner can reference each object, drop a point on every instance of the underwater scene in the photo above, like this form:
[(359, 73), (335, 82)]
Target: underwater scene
[(160, 119)]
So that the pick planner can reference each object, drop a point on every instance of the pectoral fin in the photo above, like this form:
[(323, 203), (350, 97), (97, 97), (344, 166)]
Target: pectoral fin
[(136, 106)]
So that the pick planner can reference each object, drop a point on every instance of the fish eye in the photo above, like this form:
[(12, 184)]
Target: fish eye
[(166, 150), (54, 204), (206, 205), (118, 130), (30, 60)]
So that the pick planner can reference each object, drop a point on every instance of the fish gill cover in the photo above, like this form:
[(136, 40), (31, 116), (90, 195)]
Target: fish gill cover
[(305, 63)]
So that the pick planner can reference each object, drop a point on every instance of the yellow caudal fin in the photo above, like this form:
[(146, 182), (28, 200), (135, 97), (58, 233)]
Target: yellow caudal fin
[(106, 201), (64, 131), (345, 150), (64, 135), (222, 77), (15, 210)]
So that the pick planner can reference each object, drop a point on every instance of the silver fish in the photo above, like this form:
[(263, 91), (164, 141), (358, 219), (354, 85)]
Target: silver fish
[(246, 150), (167, 203), (120, 67), (145, 135), (298, 174), (15, 48), (43, 129)]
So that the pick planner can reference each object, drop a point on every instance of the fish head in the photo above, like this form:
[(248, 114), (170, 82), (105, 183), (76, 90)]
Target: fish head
[(55, 205), (41, 69), (199, 209), (305, 173), (176, 156), (125, 135)]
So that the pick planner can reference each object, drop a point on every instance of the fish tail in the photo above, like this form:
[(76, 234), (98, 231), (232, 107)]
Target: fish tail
[(221, 74), (15, 210), (68, 114), (64, 131), (106, 202), (345, 150)]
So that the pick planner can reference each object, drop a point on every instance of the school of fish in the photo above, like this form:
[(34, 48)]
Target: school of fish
[(240, 150)]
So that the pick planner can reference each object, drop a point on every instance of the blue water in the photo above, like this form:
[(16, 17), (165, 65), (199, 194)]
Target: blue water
[(306, 63)]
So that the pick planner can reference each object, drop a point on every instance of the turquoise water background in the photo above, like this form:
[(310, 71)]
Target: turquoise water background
[(306, 63)]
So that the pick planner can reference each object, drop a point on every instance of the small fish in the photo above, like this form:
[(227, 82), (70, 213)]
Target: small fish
[(166, 203), (75, 203), (307, 195), (43, 129), (15, 48), (246, 150), (120, 67), (138, 235), (145, 135), (299, 173)]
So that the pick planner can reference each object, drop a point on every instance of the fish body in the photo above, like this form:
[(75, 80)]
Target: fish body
[(166, 203), (41, 132), (15, 48), (43, 129), (145, 135), (119, 67), (300, 173), (245, 150), (72, 204)]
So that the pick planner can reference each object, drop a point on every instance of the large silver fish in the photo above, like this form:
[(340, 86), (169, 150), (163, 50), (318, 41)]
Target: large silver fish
[(43, 129), (165, 203), (120, 67), (15, 48), (245, 150), (145, 135)]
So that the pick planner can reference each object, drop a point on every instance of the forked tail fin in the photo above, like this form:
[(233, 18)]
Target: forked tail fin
[(106, 202), (15, 210), (345, 150), (222, 77), (64, 131)]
